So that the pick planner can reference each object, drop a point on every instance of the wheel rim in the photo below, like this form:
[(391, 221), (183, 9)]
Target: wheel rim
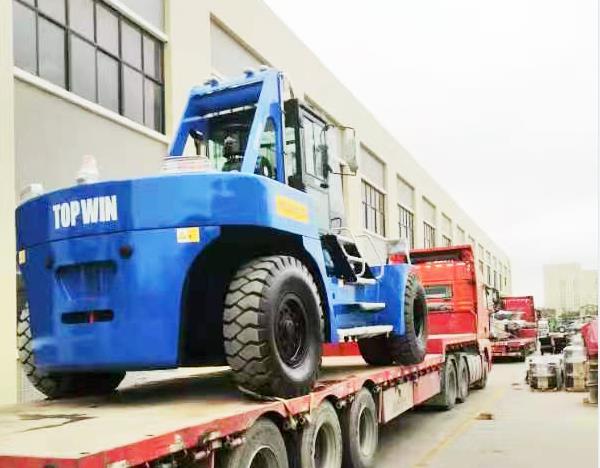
[(291, 330), (263, 457), (323, 452), (419, 307), (366, 432)]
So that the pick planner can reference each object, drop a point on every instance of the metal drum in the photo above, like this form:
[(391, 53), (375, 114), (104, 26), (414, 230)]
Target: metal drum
[(575, 360), (546, 373), (592, 381)]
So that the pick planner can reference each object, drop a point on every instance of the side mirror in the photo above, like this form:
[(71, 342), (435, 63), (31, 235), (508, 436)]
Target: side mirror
[(349, 148)]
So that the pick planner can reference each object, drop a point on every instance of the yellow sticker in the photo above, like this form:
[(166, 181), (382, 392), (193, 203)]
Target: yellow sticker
[(187, 235), (22, 257), (292, 209)]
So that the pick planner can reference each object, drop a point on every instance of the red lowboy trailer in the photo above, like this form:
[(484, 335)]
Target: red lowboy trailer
[(202, 419), (523, 340)]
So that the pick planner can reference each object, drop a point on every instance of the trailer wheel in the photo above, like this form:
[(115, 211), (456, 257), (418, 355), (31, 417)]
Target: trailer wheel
[(273, 326), (60, 384), (361, 431), (321, 440), (263, 447), (463, 380)]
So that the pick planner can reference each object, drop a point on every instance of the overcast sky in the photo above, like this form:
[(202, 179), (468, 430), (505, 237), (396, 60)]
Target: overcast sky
[(498, 100)]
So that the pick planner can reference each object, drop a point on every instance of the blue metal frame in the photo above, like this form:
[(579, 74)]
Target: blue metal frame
[(70, 265)]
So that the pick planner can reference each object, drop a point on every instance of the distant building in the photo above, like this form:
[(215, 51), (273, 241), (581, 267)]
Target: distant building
[(568, 287)]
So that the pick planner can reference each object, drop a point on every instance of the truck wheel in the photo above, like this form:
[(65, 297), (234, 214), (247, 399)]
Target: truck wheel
[(264, 447), (273, 326), (60, 384), (321, 440), (449, 382), (481, 384), (411, 347), (463, 381), (361, 431)]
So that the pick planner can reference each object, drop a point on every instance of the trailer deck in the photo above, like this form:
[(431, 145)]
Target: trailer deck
[(153, 420)]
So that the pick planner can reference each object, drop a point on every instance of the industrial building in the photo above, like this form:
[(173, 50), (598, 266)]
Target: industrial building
[(110, 77), (568, 287)]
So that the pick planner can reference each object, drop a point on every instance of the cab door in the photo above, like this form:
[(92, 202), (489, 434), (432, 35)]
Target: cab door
[(314, 139)]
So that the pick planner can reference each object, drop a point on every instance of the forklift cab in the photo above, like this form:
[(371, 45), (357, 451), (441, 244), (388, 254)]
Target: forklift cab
[(242, 126)]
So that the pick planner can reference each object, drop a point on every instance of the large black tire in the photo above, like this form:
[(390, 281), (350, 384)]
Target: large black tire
[(264, 446), (446, 399), (482, 383), (321, 440), (360, 428), (273, 327), (409, 348), (463, 380), (60, 384), (375, 350)]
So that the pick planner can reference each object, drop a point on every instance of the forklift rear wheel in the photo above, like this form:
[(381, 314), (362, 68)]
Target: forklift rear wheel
[(463, 380), (409, 348), (60, 384), (273, 326), (321, 440), (361, 431), (264, 446)]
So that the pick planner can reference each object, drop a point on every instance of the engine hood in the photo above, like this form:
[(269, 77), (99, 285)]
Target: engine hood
[(196, 199)]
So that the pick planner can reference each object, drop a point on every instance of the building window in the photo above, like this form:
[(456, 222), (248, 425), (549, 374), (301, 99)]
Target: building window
[(489, 275), (481, 267), (460, 236), (428, 235), (446, 231), (373, 209), (406, 225), (92, 50)]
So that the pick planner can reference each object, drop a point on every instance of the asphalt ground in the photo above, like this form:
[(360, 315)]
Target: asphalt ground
[(505, 425)]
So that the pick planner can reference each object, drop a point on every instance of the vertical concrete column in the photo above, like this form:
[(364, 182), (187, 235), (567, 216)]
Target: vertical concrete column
[(187, 54), (8, 344)]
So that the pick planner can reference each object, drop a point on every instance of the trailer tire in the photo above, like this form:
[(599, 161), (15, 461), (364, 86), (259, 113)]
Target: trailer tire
[(264, 445), (463, 380), (361, 431), (273, 327), (411, 347), (321, 440), (60, 384)]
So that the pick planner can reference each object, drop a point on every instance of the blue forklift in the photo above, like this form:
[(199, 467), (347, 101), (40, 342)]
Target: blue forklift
[(237, 263)]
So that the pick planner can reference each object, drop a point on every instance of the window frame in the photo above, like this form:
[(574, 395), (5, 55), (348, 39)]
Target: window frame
[(68, 33), (428, 228), (409, 228), (368, 192)]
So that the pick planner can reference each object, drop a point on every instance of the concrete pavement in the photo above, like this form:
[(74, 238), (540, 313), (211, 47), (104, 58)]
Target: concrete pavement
[(527, 429)]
